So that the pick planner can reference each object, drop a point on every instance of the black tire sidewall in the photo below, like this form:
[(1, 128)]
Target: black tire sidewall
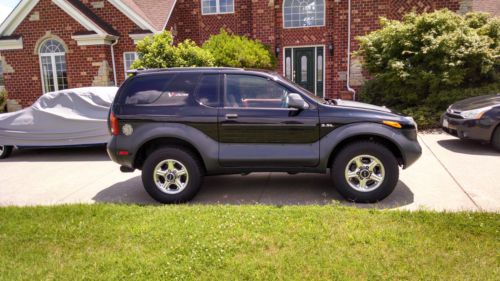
[(187, 159), (495, 140), (377, 150), (7, 150)]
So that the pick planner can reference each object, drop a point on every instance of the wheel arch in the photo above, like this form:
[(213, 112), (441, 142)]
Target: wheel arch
[(391, 145), (340, 137), (152, 144)]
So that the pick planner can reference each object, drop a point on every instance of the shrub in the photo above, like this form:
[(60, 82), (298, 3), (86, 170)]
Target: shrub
[(425, 62), (239, 51), (159, 52), (3, 99)]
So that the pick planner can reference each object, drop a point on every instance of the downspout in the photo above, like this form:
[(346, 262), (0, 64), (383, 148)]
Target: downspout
[(113, 60), (348, 82)]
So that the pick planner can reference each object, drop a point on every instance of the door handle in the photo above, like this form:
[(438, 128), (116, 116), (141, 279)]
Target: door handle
[(231, 116)]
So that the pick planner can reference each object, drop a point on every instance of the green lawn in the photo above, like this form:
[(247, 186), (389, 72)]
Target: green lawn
[(119, 242)]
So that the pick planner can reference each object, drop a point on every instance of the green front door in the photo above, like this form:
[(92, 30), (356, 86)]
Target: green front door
[(304, 68)]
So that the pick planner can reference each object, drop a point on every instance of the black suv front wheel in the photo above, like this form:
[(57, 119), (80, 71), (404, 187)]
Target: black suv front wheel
[(172, 175), (365, 172)]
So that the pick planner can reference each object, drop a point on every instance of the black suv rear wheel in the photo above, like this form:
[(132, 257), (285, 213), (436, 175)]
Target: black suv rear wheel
[(172, 175), (365, 172)]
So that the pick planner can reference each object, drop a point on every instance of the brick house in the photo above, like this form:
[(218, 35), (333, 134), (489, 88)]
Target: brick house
[(47, 45)]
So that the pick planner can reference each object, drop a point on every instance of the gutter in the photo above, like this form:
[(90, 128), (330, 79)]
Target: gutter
[(348, 81), (113, 61)]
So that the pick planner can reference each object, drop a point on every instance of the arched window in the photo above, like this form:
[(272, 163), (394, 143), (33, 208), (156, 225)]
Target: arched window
[(53, 64), (303, 13)]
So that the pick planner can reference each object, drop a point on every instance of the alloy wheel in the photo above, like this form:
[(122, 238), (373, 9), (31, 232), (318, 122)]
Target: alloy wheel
[(364, 173), (171, 176)]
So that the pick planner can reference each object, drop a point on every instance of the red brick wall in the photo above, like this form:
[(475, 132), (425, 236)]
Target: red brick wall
[(258, 19), (489, 6), (263, 20), (124, 26), (25, 83)]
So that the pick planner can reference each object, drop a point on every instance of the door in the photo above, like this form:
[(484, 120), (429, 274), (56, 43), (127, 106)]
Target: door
[(304, 68), (256, 128)]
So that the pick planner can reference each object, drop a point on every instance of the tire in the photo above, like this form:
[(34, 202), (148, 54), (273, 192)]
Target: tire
[(5, 151), (354, 177), (162, 178), (495, 139)]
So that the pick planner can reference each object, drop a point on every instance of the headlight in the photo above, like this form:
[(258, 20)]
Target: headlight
[(475, 113)]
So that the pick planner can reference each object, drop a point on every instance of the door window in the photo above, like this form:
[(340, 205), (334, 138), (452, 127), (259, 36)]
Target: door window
[(245, 91)]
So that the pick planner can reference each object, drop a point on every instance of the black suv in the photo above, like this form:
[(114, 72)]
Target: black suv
[(178, 125)]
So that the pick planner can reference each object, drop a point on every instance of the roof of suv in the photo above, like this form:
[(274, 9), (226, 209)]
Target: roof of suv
[(176, 69)]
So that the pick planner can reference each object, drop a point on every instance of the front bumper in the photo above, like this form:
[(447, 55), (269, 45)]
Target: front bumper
[(411, 151), (479, 129)]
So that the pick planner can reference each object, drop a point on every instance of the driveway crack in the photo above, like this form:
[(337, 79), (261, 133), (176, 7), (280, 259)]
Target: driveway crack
[(451, 175)]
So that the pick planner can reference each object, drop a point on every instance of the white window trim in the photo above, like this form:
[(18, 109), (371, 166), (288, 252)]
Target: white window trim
[(124, 61), (217, 9), (52, 57), (315, 66), (311, 26)]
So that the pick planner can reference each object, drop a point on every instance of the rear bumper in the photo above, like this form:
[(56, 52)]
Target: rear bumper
[(466, 128), (114, 153)]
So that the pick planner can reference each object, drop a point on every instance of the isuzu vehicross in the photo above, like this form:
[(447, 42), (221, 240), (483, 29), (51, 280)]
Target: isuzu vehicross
[(179, 125)]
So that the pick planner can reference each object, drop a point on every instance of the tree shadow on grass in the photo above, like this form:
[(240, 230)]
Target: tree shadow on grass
[(259, 188)]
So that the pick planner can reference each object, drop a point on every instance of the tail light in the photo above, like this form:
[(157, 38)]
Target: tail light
[(113, 124)]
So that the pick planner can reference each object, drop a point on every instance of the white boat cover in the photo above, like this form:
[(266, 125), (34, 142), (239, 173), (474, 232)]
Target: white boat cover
[(69, 117)]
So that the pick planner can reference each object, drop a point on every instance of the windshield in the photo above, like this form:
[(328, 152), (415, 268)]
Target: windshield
[(305, 91)]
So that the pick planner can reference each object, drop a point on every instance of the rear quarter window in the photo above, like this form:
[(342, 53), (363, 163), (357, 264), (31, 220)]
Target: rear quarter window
[(166, 89)]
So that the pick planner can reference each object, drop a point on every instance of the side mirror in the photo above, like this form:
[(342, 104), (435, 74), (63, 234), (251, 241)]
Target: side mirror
[(296, 101)]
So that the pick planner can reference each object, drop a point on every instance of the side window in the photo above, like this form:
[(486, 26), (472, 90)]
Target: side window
[(254, 92), (162, 90), (145, 90), (208, 90), (180, 91)]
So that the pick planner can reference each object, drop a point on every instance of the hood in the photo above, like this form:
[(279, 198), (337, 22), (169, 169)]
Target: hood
[(361, 105), (476, 103)]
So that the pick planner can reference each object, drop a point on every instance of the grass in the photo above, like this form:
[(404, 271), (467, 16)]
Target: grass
[(117, 242)]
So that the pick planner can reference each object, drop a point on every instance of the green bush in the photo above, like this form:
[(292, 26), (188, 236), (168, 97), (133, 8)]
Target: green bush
[(239, 51), (425, 62), (160, 52), (3, 99)]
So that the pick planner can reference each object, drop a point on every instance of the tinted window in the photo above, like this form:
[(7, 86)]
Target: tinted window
[(208, 90), (162, 90), (254, 91), (145, 89), (180, 90)]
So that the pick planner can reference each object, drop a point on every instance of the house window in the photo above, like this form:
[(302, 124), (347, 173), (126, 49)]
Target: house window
[(128, 59), (53, 64), (304, 13), (209, 7)]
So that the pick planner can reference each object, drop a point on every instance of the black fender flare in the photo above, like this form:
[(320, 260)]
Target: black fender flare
[(330, 142), (206, 147)]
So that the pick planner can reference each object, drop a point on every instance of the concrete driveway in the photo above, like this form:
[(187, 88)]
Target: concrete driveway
[(451, 175)]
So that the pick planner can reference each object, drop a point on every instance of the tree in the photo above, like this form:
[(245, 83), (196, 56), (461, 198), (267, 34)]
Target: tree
[(160, 52), (239, 51), (415, 60)]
